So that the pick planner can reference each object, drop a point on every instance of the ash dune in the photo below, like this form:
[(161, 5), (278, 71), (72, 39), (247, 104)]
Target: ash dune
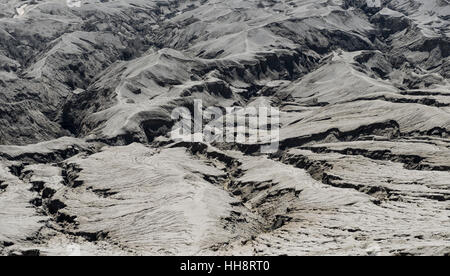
[(86, 96)]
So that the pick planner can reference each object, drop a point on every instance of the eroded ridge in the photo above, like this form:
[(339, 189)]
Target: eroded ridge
[(88, 164)]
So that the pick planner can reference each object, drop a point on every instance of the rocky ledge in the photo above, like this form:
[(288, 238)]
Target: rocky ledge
[(88, 165)]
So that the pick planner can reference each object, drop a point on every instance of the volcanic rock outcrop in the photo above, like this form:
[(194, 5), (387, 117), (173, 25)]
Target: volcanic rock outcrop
[(88, 164)]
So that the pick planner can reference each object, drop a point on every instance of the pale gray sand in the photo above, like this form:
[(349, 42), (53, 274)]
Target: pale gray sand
[(87, 165)]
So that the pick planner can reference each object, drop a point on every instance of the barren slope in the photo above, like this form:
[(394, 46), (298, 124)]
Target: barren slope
[(86, 96)]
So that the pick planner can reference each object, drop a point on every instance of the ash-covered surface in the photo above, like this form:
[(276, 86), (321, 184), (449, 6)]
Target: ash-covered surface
[(87, 165)]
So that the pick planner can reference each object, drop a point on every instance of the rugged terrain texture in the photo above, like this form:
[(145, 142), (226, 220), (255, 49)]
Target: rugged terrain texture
[(86, 93)]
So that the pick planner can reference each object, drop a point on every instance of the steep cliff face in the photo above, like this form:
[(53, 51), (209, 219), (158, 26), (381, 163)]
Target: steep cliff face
[(87, 90)]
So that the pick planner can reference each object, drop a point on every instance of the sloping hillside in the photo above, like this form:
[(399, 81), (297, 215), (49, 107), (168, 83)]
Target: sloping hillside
[(87, 94)]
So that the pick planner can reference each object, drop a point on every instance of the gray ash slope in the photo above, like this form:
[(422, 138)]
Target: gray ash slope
[(85, 101)]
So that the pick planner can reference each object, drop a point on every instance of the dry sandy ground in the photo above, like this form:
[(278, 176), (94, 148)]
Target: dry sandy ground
[(87, 164)]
